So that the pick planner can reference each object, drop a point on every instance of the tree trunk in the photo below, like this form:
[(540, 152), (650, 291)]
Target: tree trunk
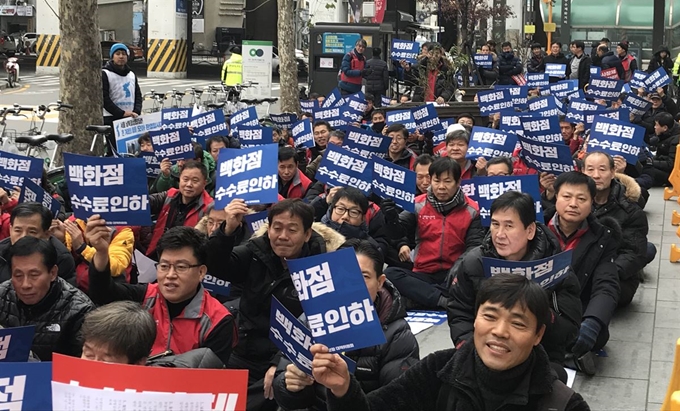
[(289, 93), (80, 72)]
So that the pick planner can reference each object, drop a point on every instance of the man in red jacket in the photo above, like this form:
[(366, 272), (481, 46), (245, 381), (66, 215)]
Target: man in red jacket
[(445, 224), (292, 182)]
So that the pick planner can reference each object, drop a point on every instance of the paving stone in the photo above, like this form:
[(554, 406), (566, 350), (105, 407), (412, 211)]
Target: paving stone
[(625, 360), (609, 394), (644, 300), (658, 380), (632, 326), (667, 314), (663, 345), (669, 289)]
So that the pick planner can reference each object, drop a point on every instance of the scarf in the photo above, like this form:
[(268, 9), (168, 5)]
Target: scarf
[(349, 231), (445, 208)]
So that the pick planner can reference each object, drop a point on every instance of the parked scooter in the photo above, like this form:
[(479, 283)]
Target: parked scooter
[(12, 69)]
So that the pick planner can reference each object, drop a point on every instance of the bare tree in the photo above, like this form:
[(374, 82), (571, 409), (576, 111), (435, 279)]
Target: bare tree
[(289, 97), (80, 72)]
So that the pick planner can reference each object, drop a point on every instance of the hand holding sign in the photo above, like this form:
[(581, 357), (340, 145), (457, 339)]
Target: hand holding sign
[(98, 235), (330, 370), (296, 379), (234, 213)]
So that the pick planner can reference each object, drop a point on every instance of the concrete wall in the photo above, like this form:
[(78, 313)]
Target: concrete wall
[(118, 17)]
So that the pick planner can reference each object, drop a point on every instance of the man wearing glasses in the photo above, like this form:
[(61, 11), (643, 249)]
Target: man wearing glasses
[(186, 316)]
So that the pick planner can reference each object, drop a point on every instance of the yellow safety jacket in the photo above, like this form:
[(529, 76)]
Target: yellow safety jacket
[(232, 70)]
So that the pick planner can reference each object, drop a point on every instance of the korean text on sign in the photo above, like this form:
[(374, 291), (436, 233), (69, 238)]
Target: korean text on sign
[(255, 135), (153, 165), (25, 386), (658, 78), (544, 106), (33, 193), (172, 144), (484, 190), (547, 272), (519, 95), (127, 130), (404, 117), (636, 105), (548, 157), (353, 108), (537, 79), (545, 129), (638, 79), (404, 50), (493, 101), (250, 174), (392, 181), (334, 98), (284, 120), (616, 137), (340, 167), (604, 89), (209, 124), (511, 121), (483, 60), (245, 117), (365, 143), (15, 344), (332, 115), (426, 118), (555, 70), (216, 285), (335, 300), (303, 136), (175, 118), (110, 187), (489, 143), (255, 221), (564, 88), (14, 168)]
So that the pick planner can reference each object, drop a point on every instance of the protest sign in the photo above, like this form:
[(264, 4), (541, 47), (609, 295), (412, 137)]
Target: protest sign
[(471, 78), (490, 143), (545, 129), (14, 168), (255, 221), (127, 130), (609, 73), (604, 89), (426, 118), (483, 60), (340, 167), (335, 300), (535, 80), (251, 136), (636, 105), (333, 115), (616, 137), (209, 124), (228, 387), (365, 143), (284, 120), (332, 100), (577, 105), (245, 117), (394, 182), (421, 320), (175, 118), (555, 69), (172, 144), (595, 71), (294, 339), (546, 272), (493, 101), (544, 106), (438, 136), (638, 78), (548, 157), (15, 343), (309, 105), (519, 95), (511, 121), (658, 78), (578, 94), (484, 190), (25, 386), (354, 107), (250, 174), (110, 187), (563, 89), (385, 101), (404, 117), (303, 136), (446, 122), (33, 193), (153, 165), (216, 285), (519, 80), (405, 50)]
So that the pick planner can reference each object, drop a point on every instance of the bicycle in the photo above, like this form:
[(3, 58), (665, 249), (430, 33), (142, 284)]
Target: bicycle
[(39, 113), (176, 98), (196, 94), (37, 146), (158, 101)]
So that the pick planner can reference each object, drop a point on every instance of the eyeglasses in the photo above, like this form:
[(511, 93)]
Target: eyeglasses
[(353, 212), (179, 268)]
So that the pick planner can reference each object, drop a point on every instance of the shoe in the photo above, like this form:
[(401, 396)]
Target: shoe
[(586, 363)]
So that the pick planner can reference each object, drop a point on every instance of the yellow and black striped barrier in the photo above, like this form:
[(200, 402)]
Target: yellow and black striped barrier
[(167, 55), (49, 50)]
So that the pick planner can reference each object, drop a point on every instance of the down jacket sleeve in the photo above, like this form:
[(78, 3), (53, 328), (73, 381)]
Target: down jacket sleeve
[(234, 268), (400, 353), (460, 309)]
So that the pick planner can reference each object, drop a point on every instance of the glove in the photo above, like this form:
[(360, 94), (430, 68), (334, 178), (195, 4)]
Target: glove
[(590, 329), (366, 72), (390, 211)]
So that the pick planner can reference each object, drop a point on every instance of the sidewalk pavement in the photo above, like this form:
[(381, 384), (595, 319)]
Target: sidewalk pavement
[(635, 374)]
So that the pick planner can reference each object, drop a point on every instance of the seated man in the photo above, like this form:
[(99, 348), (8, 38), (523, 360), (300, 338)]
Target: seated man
[(124, 333), (292, 182), (376, 366), (667, 131), (595, 247), (503, 367), (34, 219), (321, 130), (456, 149), (446, 224), (497, 166), (260, 268), (571, 134), (617, 197), (186, 316), (514, 235), (35, 295), (397, 152), (183, 207)]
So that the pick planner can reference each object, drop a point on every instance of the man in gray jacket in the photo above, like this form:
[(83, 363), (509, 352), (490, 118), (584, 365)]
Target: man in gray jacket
[(378, 81)]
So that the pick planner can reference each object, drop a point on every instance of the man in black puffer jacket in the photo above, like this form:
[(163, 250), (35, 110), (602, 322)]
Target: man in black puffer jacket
[(508, 65), (661, 103), (667, 136), (378, 81), (37, 296), (556, 57), (610, 60), (377, 365), (514, 235)]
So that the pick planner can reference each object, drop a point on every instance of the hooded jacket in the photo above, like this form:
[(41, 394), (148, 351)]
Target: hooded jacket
[(508, 66), (376, 366), (256, 268), (446, 381), (57, 318), (378, 80), (657, 61), (117, 86), (593, 262), (466, 278), (65, 261), (664, 159)]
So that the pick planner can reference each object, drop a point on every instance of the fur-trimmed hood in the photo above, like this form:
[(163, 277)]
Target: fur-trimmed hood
[(631, 188), (610, 223), (332, 238)]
